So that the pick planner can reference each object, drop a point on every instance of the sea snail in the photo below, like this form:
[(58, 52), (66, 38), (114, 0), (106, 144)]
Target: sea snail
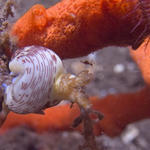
[(39, 81)]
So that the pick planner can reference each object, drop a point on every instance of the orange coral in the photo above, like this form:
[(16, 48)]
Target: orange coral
[(142, 58), (75, 28), (55, 118), (119, 110)]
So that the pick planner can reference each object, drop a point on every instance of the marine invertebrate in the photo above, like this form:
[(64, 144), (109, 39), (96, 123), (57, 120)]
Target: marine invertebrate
[(98, 23), (35, 69), (39, 81)]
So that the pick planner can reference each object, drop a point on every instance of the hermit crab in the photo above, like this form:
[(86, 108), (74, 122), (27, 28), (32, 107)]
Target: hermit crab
[(39, 81)]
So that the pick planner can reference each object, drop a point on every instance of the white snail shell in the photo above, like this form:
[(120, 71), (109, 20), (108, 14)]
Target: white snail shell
[(35, 68)]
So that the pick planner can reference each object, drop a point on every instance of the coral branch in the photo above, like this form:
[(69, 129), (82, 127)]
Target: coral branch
[(119, 110), (142, 58)]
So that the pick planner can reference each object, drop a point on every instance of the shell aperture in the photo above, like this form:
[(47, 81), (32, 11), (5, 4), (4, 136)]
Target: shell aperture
[(36, 69)]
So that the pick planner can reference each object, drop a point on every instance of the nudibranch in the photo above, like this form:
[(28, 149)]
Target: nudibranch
[(39, 81)]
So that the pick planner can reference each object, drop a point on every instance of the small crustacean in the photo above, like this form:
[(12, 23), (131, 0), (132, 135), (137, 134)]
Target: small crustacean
[(39, 81)]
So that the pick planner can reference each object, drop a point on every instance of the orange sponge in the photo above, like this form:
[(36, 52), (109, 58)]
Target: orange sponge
[(75, 28)]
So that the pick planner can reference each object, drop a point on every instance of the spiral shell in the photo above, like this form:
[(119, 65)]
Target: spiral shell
[(36, 69)]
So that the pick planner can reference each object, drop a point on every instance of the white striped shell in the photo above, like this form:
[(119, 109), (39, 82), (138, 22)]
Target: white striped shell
[(35, 68)]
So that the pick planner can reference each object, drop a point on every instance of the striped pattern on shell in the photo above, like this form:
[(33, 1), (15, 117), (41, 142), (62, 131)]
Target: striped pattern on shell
[(35, 68)]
